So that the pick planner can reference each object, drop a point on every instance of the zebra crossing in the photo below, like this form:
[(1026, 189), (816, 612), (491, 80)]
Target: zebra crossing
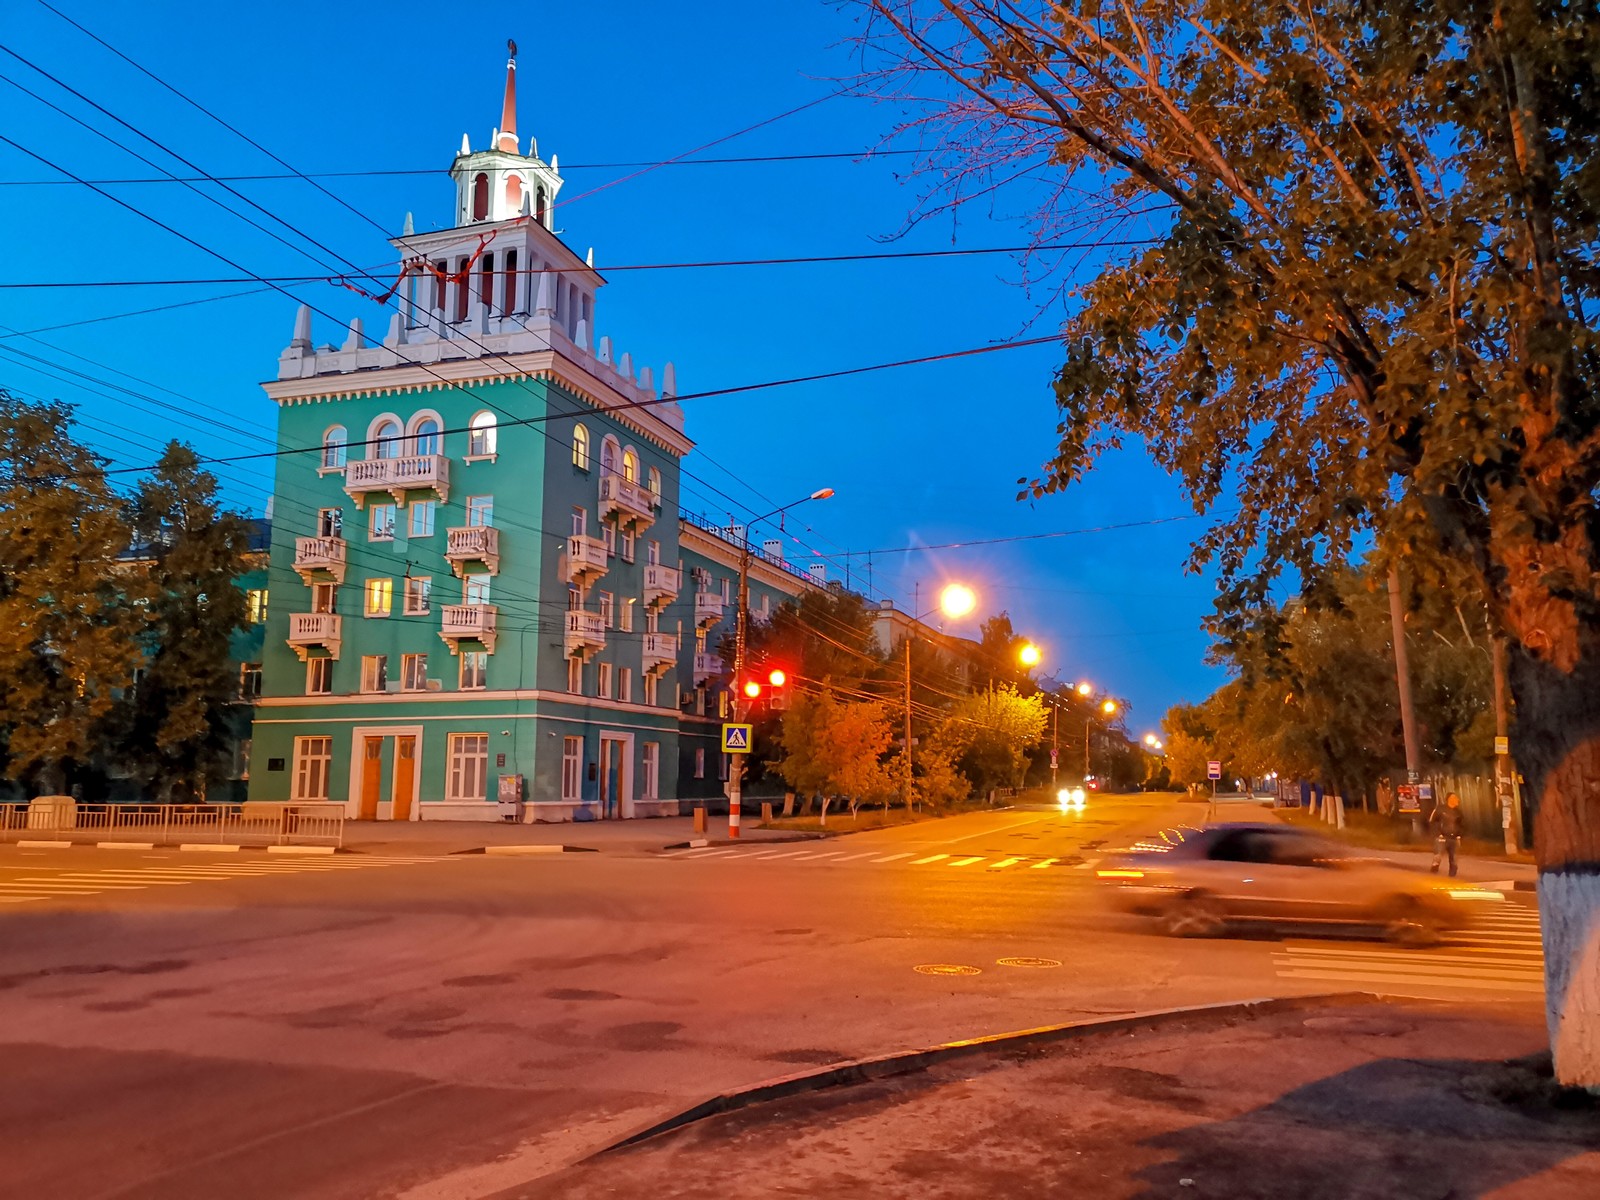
[(1500, 952), (789, 852), (25, 885)]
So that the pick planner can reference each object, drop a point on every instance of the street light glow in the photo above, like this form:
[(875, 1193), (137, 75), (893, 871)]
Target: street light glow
[(1150, 739), (1109, 707), (957, 600), (1085, 688), (1029, 654)]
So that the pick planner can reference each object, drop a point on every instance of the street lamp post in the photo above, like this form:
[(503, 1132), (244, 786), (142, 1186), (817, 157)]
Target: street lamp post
[(1107, 706), (957, 600), (741, 706)]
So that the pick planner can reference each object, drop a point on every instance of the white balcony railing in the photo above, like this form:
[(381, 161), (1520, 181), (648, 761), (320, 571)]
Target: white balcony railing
[(469, 622), (706, 666), (586, 633), (307, 630), (660, 652), (473, 543), (398, 476), (661, 584), (630, 501), (319, 554), (584, 559), (708, 607)]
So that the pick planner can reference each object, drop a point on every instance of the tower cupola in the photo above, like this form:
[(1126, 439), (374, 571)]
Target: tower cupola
[(498, 183)]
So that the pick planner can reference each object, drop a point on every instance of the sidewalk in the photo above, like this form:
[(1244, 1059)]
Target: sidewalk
[(1346, 1102), (637, 836)]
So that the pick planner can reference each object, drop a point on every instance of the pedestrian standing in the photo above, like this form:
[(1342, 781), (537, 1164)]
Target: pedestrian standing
[(1447, 821)]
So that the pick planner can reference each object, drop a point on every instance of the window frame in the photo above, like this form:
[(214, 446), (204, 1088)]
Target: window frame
[(467, 767), (418, 508), (320, 666), (255, 605), (650, 771), (581, 444), (479, 658), (414, 672), (249, 681), (480, 511), (572, 769), (418, 588), (575, 676), (374, 587), (305, 759), (603, 676), (376, 532), (483, 437), (624, 685), (335, 448), (374, 674)]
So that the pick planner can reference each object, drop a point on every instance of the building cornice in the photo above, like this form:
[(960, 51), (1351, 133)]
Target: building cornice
[(693, 538)]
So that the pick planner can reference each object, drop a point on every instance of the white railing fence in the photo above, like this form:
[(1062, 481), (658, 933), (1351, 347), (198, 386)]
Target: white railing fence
[(252, 823)]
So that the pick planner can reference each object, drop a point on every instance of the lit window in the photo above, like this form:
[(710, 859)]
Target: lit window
[(625, 617), (249, 681), (419, 596), (474, 669), (480, 511), (375, 673), (700, 763), (422, 513), (469, 766), (483, 436), (380, 597), (313, 760), (381, 525), (335, 447), (651, 771), (575, 675), (385, 441), (319, 677), (414, 672), (630, 466), (603, 682), (580, 447), (255, 605), (428, 438), (571, 768)]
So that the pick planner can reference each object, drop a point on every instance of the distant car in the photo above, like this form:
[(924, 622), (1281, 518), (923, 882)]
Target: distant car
[(1198, 883)]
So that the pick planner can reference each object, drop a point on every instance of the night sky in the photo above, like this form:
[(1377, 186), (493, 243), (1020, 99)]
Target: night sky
[(918, 456)]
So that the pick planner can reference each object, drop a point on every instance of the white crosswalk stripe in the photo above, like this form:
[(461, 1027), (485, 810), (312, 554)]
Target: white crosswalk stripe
[(1499, 953), (1009, 862)]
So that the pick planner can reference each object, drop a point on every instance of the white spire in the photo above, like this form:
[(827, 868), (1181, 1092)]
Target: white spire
[(302, 329), (466, 146)]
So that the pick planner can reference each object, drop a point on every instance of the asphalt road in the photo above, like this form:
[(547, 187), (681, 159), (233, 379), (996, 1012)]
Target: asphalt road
[(185, 1025)]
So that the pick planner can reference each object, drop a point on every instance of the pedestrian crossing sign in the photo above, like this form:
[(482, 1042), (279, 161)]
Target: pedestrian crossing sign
[(736, 739)]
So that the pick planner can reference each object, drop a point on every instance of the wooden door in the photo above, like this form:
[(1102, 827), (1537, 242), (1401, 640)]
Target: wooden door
[(371, 777), (405, 775)]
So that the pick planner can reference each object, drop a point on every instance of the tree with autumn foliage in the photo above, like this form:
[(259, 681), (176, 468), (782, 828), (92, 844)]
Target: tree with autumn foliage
[(1364, 313), (835, 748)]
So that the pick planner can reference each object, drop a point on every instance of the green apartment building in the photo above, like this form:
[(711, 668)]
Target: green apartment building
[(481, 585)]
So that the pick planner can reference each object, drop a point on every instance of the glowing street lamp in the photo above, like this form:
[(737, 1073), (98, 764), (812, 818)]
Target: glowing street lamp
[(957, 600), (1085, 689), (1029, 655)]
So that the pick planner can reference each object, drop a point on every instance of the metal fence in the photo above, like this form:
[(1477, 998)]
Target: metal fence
[(248, 824)]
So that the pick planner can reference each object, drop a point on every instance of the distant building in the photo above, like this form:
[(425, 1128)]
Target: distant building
[(480, 574)]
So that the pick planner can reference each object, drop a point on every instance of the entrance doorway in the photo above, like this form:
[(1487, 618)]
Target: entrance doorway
[(616, 779), (371, 778), (385, 773), (405, 775)]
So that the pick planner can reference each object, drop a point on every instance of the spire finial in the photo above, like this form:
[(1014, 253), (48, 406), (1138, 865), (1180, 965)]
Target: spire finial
[(507, 141)]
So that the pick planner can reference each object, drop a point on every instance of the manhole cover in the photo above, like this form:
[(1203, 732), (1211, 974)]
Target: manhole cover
[(1028, 962), (946, 969)]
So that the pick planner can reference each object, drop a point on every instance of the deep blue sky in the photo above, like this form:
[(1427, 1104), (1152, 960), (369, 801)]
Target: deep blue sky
[(921, 455)]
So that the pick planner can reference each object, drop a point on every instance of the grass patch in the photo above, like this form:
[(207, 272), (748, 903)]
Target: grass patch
[(1374, 831), (840, 820)]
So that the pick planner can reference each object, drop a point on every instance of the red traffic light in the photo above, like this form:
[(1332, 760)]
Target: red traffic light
[(777, 679), (752, 689)]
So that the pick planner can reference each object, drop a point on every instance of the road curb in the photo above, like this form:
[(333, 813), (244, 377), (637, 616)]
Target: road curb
[(32, 844), (522, 851), (210, 847), (299, 849), (906, 1062)]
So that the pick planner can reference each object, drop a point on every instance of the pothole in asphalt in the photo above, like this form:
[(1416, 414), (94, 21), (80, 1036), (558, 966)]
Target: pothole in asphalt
[(946, 969), (1024, 961)]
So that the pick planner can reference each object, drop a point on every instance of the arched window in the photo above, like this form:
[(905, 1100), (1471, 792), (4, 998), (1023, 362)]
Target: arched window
[(385, 440), (580, 447), (630, 466), (334, 447), (481, 441), (609, 453), (654, 484), (538, 204), (513, 193), (427, 437), (480, 197)]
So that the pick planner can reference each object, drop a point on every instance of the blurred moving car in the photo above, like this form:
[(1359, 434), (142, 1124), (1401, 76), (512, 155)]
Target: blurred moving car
[(1196, 884)]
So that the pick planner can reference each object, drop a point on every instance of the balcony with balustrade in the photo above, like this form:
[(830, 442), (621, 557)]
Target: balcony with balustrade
[(469, 623), (319, 558), (586, 634), (397, 476), (660, 653), (661, 585), (473, 544), (708, 608), (629, 501), (584, 560), (315, 631), (706, 667)]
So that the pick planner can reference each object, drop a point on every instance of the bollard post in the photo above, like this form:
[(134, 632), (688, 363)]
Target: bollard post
[(766, 812), (699, 818)]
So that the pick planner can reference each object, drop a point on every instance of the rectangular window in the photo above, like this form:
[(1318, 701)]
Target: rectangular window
[(381, 528), (652, 553), (699, 702), (249, 681), (575, 675), (700, 763), (727, 587), (255, 604), (650, 690), (571, 768), (375, 673), (625, 618), (474, 670), (574, 599), (651, 771), (241, 759), (625, 685), (330, 522), (476, 589), (324, 597), (313, 760), (603, 685), (319, 676), (609, 534), (422, 518), (419, 596), (652, 621), (766, 608), (722, 705), (580, 521), (627, 545), (380, 597), (414, 672), (607, 610), (469, 766), (700, 641), (480, 510)]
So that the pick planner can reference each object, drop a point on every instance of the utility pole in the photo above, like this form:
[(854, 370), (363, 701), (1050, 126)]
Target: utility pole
[(908, 719), (1055, 740), (740, 705), (1510, 819), (1402, 671), (1086, 772)]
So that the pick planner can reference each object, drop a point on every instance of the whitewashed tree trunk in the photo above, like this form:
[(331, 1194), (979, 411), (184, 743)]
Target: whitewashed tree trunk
[(1569, 912)]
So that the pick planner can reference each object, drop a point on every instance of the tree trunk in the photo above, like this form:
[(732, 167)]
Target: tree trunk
[(1558, 716), (788, 804)]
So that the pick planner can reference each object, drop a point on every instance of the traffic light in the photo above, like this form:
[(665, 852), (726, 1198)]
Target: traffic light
[(779, 697), (752, 689)]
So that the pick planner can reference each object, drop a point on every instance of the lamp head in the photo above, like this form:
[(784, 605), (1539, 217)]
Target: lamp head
[(957, 600)]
